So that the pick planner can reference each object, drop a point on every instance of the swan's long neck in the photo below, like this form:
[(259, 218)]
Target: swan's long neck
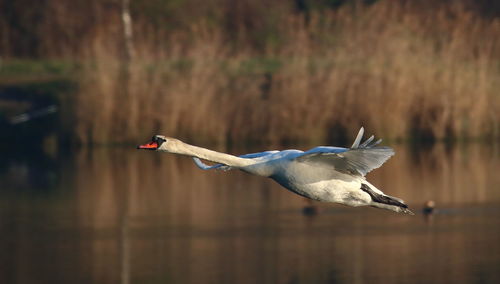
[(209, 155)]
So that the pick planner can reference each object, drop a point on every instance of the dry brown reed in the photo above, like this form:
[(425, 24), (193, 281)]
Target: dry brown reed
[(399, 70)]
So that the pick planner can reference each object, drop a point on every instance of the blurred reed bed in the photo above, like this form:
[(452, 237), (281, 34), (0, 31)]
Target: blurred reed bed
[(402, 71)]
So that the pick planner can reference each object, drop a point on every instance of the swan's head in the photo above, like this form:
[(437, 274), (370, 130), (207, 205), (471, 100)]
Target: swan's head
[(158, 142)]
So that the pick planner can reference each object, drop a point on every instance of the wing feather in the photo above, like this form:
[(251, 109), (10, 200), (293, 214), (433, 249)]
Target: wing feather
[(360, 159), (204, 166), (367, 142), (358, 138)]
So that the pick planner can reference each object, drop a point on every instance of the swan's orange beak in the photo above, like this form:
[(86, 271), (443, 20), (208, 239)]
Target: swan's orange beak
[(150, 146)]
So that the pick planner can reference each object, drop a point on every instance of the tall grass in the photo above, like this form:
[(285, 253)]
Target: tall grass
[(398, 69)]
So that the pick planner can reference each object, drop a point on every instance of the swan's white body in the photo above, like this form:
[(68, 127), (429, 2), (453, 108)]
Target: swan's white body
[(330, 174)]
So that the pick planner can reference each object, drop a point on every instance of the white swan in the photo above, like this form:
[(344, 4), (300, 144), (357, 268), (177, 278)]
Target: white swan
[(330, 174)]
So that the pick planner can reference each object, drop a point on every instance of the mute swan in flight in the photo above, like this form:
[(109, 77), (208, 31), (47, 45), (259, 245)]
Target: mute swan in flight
[(330, 174)]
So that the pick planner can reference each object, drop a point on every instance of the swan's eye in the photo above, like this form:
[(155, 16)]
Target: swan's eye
[(159, 140)]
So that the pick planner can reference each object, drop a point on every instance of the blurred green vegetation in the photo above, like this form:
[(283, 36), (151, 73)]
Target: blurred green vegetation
[(20, 67)]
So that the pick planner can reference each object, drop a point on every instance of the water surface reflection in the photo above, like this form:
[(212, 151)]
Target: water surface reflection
[(124, 216)]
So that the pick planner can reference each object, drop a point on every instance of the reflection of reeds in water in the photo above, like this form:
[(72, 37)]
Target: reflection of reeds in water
[(393, 68), (113, 183), (188, 225), (146, 217), (165, 186), (162, 197)]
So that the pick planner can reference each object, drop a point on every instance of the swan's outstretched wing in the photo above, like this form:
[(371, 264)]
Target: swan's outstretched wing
[(223, 167), (358, 160), (258, 155), (204, 166), (353, 161)]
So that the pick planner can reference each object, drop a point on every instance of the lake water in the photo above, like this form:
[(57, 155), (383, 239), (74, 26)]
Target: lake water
[(127, 216)]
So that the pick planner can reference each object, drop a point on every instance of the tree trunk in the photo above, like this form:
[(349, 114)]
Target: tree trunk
[(127, 30)]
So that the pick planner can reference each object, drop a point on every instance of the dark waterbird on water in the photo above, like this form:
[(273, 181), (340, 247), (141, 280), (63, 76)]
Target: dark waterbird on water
[(329, 174)]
